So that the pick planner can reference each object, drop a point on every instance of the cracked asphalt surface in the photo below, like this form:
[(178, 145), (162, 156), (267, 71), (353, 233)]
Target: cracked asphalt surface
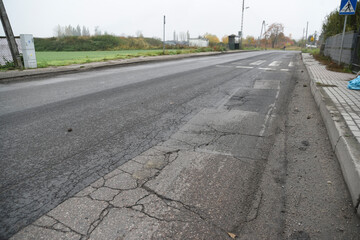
[(188, 149)]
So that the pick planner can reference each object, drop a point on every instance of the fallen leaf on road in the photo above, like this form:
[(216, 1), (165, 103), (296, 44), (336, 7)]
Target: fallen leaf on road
[(233, 236)]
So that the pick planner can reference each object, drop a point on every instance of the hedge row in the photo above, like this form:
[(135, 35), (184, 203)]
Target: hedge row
[(95, 43)]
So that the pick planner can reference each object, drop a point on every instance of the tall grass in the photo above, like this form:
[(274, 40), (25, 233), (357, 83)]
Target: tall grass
[(312, 51)]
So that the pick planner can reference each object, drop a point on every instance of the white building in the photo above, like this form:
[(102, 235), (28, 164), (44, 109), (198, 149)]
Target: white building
[(198, 42)]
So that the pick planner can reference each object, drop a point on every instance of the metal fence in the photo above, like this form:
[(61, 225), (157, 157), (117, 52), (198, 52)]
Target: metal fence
[(355, 59), (5, 54), (350, 52)]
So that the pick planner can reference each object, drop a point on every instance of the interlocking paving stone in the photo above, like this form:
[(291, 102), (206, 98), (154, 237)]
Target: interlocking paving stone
[(335, 85)]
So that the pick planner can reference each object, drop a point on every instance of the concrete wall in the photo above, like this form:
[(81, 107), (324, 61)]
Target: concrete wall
[(332, 47), (198, 42)]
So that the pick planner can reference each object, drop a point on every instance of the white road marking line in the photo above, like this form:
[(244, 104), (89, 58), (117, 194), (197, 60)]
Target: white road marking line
[(258, 62), (291, 64), (275, 64), (284, 70), (223, 101), (247, 67), (224, 66), (269, 116), (266, 69)]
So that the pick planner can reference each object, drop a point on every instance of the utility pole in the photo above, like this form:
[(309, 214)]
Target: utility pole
[(10, 36), (262, 27), (242, 21), (307, 27), (164, 37), (303, 36)]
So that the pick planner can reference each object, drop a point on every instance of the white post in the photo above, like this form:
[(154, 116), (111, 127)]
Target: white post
[(164, 37), (342, 40)]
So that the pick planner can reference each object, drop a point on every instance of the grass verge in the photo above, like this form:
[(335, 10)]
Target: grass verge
[(47, 59), (54, 59), (330, 65)]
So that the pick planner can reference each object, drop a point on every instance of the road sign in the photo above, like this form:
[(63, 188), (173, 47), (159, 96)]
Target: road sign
[(347, 7)]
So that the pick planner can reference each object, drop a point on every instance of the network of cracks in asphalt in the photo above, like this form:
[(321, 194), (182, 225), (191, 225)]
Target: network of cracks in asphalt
[(141, 197), (122, 194)]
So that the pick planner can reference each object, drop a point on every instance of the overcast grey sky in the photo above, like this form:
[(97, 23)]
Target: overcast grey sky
[(39, 17)]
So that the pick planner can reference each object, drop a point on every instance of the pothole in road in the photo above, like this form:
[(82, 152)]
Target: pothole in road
[(299, 235)]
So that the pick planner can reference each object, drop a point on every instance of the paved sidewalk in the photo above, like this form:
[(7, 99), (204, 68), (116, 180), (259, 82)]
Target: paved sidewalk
[(340, 109)]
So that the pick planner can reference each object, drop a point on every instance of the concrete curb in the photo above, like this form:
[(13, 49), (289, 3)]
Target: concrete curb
[(344, 144), (17, 75)]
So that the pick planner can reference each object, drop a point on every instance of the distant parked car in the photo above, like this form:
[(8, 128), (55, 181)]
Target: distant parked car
[(310, 46)]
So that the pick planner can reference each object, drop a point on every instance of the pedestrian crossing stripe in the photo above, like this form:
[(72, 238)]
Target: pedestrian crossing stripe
[(275, 64), (246, 67), (348, 8), (258, 62)]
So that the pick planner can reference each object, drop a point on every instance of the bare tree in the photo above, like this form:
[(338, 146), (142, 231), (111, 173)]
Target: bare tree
[(273, 33), (68, 31), (139, 34), (85, 31), (97, 31), (58, 31), (78, 30)]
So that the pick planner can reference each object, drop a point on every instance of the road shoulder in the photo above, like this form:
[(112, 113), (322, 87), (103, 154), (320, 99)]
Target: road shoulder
[(334, 111)]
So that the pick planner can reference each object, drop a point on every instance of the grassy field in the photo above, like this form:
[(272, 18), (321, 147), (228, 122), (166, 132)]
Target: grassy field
[(46, 59)]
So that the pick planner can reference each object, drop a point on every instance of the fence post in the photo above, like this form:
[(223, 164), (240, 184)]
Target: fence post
[(355, 57), (342, 40), (10, 36)]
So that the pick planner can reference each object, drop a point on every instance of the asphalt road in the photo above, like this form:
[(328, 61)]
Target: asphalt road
[(60, 134)]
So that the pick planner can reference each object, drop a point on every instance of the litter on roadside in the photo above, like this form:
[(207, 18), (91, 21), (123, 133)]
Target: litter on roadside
[(354, 84)]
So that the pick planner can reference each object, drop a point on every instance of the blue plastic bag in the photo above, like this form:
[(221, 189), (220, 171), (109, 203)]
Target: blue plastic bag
[(354, 84)]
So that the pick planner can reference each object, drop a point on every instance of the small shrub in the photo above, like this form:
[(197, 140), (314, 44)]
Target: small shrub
[(8, 65)]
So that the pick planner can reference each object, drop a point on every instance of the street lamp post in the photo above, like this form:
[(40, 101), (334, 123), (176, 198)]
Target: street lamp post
[(242, 22)]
